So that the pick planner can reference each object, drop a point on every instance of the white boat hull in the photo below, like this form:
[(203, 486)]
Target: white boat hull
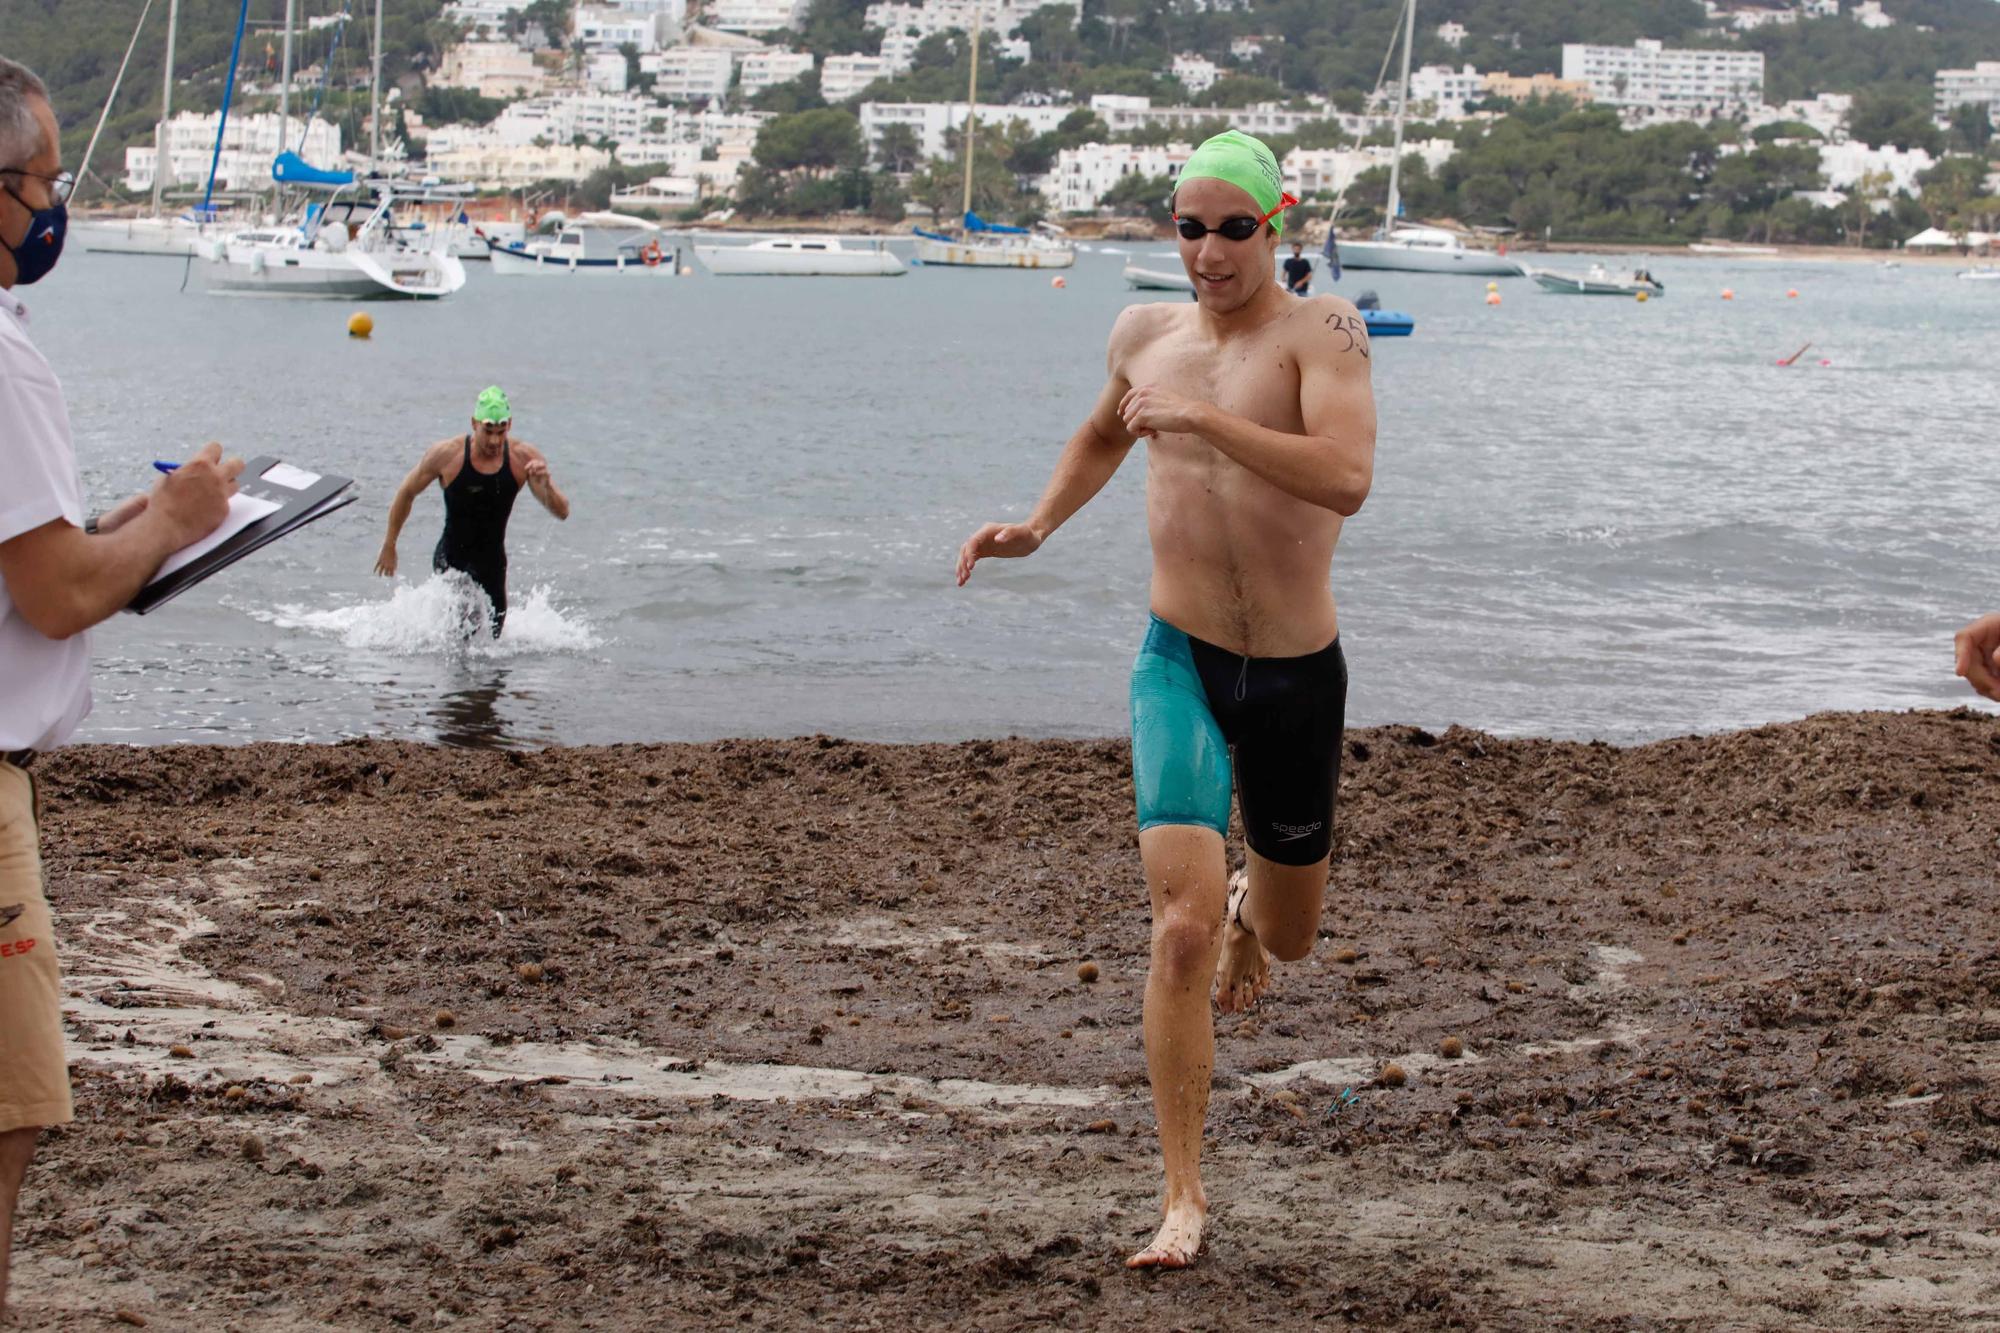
[(1562, 284), (1427, 259), (961, 255), (348, 275), (140, 236), (526, 264), (745, 261), (1156, 280)]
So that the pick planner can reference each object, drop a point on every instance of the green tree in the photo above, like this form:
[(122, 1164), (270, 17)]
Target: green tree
[(1971, 128), (1889, 118), (898, 149), (813, 142), (1141, 196)]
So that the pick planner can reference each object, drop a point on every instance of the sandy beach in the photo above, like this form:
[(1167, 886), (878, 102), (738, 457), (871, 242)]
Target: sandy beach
[(788, 1034)]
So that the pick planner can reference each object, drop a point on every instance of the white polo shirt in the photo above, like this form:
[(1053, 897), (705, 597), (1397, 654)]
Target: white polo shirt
[(44, 684)]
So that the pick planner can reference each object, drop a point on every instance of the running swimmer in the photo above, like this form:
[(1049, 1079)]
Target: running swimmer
[(481, 473), (1260, 430)]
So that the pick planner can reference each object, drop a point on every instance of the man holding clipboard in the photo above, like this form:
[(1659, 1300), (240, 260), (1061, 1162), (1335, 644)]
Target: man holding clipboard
[(60, 573)]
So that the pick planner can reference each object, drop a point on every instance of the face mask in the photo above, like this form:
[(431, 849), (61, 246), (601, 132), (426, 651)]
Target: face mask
[(43, 247)]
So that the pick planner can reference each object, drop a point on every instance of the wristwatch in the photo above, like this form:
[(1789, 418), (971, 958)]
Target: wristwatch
[(90, 525)]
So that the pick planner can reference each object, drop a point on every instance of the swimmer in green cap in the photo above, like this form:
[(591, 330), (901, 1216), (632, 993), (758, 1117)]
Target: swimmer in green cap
[(1259, 425), (480, 472)]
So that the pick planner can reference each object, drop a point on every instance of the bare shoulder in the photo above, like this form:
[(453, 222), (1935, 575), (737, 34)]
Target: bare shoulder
[(1138, 326), (1328, 331), (440, 456)]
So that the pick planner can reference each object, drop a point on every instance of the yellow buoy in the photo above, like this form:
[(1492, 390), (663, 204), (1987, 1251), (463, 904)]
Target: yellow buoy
[(1493, 298), (1641, 296), (360, 324), (1492, 286)]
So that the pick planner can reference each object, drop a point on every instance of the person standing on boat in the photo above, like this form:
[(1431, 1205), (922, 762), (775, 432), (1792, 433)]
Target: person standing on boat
[(1260, 430), (1298, 271), (480, 473), (61, 572)]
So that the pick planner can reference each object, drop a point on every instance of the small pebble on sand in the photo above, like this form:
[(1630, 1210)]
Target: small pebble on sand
[(302, 1078), (1086, 972), (446, 1018), (531, 971), (1346, 956), (253, 1148), (235, 1092), (129, 1317), (1392, 1076), (1451, 1048), (1101, 1127), (180, 1052)]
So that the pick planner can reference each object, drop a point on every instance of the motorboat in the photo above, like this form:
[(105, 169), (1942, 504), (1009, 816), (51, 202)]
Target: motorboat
[(1599, 281), (590, 244), (1982, 274), (983, 244), (350, 245), (1427, 250), (1381, 323), (1722, 248), (801, 256)]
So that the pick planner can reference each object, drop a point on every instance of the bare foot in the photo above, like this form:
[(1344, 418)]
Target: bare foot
[(1244, 969), (1178, 1241)]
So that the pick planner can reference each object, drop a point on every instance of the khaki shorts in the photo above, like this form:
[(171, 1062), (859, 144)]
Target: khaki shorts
[(34, 1078)]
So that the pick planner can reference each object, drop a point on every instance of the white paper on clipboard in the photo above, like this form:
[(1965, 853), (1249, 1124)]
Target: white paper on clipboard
[(284, 474), (243, 511)]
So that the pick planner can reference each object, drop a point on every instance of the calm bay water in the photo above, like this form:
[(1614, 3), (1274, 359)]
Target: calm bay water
[(1591, 518)]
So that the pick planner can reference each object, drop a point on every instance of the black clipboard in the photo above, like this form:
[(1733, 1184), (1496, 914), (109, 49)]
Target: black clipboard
[(298, 506)]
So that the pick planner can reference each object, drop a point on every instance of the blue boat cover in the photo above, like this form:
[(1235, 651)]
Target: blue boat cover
[(973, 222), (291, 169), (933, 235)]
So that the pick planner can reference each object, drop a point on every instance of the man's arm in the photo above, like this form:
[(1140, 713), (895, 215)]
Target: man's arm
[(427, 470), (1978, 649), (64, 580), (1087, 461), (1332, 465), (536, 469)]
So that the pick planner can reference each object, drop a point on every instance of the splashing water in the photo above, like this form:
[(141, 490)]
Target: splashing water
[(446, 613)]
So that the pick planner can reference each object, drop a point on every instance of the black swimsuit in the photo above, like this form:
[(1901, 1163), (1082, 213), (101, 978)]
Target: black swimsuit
[(476, 508)]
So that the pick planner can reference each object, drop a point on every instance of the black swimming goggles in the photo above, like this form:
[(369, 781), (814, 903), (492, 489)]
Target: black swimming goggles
[(1240, 228)]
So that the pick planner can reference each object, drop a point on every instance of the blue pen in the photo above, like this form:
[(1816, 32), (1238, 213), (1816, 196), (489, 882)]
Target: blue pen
[(165, 467)]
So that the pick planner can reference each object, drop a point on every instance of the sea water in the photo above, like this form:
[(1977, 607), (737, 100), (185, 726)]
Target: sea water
[(1591, 517)]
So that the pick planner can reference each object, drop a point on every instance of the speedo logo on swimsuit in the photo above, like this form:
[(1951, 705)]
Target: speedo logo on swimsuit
[(1293, 832)]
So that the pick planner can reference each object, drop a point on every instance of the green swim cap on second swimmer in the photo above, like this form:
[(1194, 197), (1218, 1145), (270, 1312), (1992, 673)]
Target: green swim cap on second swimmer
[(492, 406), (1245, 162)]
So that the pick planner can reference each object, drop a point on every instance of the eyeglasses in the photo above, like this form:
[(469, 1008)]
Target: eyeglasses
[(61, 185), (1240, 228)]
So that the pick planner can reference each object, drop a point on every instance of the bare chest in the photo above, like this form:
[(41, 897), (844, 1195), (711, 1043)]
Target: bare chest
[(1254, 377)]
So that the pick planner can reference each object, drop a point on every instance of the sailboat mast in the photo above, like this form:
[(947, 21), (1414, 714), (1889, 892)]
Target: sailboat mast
[(163, 160), (1402, 105), (971, 110), (285, 84), (375, 95)]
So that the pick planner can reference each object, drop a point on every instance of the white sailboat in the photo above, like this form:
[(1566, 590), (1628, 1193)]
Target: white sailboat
[(983, 244), (1418, 249), (351, 244), (155, 233)]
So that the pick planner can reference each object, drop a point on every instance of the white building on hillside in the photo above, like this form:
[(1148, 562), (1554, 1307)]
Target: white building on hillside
[(687, 73), (1309, 171), (1651, 80), (1820, 9), (1827, 114), (249, 146), (1196, 73), (1842, 165), (997, 17), (484, 18), (1122, 114), (1758, 16), (1452, 34), (606, 71), (499, 70), (1448, 89), (501, 167), (1083, 176), (842, 77), (1869, 15), (755, 16), (758, 70), (1978, 86), (931, 120), (608, 29)]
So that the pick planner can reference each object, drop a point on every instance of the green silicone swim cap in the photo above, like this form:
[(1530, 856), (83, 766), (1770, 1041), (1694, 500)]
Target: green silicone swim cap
[(1244, 162), (492, 406)]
